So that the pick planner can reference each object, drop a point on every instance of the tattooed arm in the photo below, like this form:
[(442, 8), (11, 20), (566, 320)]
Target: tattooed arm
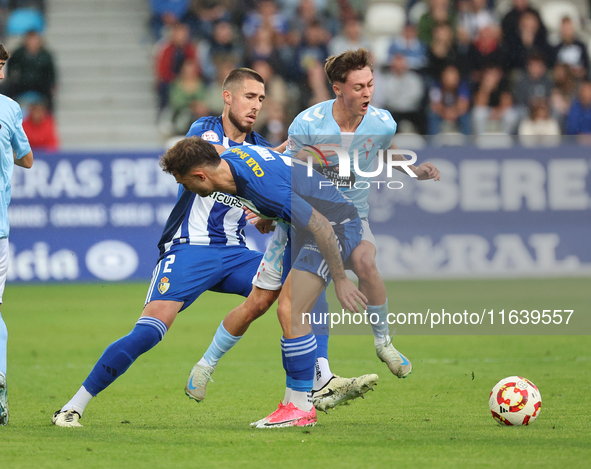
[(325, 238)]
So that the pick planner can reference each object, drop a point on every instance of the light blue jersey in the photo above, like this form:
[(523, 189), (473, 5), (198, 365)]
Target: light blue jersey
[(316, 126), (13, 137)]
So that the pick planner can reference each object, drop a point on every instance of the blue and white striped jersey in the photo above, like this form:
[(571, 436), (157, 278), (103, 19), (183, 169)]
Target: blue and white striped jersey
[(217, 220)]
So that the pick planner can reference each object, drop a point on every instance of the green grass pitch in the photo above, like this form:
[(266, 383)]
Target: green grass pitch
[(437, 418)]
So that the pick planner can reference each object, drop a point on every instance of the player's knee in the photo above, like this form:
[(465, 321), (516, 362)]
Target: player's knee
[(284, 314), (365, 267)]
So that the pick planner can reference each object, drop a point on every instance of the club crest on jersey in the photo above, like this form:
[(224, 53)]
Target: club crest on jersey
[(164, 285), (368, 146), (210, 136), (291, 145)]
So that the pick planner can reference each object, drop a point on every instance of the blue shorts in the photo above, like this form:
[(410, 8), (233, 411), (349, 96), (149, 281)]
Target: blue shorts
[(304, 253), (186, 271)]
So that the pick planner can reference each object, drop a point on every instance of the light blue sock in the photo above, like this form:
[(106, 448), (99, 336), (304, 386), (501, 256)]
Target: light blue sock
[(222, 342), (380, 318), (3, 342)]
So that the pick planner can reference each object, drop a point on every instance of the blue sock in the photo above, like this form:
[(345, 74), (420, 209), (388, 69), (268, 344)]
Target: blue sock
[(222, 342), (3, 342), (299, 356), (119, 356), (319, 315)]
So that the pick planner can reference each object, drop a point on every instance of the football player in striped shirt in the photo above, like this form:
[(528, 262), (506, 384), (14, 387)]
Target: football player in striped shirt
[(202, 248)]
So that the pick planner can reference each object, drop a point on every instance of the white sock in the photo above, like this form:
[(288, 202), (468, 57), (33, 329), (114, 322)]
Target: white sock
[(79, 401), (378, 317), (322, 373), (302, 400), (287, 396), (203, 362)]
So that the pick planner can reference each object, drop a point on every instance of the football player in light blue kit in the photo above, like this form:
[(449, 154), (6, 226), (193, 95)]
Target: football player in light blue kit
[(15, 150), (325, 229), (202, 248), (350, 122)]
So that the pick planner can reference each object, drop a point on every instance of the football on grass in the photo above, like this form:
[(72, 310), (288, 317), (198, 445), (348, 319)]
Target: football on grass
[(515, 401)]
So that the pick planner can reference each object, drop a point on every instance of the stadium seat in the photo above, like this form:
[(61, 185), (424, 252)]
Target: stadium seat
[(385, 19), (23, 20), (417, 11), (553, 12)]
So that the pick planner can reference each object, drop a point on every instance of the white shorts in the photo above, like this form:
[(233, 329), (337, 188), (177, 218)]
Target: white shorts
[(270, 271), (3, 265), (367, 234), (268, 276)]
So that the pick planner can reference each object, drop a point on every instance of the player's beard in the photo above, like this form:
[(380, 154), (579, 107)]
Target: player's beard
[(246, 128)]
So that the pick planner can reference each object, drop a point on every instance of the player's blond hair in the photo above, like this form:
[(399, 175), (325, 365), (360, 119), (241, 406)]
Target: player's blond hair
[(338, 67)]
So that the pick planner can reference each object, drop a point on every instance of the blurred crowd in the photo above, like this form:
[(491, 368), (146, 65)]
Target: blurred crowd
[(30, 77), (456, 67)]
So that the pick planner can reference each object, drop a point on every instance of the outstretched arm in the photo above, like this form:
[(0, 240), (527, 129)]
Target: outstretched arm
[(423, 171), (325, 238)]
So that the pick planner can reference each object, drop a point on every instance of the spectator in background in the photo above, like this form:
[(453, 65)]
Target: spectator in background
[(166, 13), (187, 97), (265, 16), (263, 46), (205, 14), (314, 47), (275, 92), (535, 84), (579, 116), (439, 12), (224, 43), (531, 37), (539, 124), (401, 92), (40, 126), (571, 51), (351, 38), (442, 52), (473, 17), (308, 12), (213, 95), (563, 93), (170, 58), (487, 50), (315, 89), (408, 45), (32, 69), (493, 103), (450, 102), (510, 23)]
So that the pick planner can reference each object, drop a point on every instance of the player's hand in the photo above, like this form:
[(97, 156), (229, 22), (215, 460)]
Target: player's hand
[(349, 295), (427, 171), (250, 215), (264, 225), (280, 148)]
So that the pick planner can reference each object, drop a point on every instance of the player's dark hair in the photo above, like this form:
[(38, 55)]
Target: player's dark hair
[(187, 154), (4, 55), (238, 75), (338, 67)]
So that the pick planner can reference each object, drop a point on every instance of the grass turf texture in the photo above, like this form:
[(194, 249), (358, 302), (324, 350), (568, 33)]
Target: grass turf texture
[(438, 417)]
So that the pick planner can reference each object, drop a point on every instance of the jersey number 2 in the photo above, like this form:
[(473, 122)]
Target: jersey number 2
[(169, 260)]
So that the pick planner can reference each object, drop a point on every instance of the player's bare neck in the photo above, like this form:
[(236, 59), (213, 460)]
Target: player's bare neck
[(223, 179), (347, 121), (231, 131)]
